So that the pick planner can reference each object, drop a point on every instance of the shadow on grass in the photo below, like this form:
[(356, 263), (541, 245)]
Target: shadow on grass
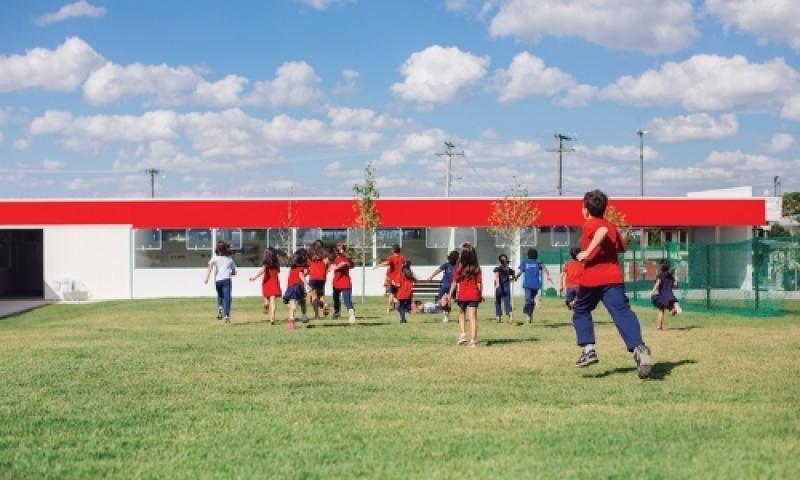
[(660, 370), (357, 324), (23, 311), (505, 341), (688, 328)]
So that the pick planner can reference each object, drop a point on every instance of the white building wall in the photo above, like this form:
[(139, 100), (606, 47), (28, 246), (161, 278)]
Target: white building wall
[(87, 262)]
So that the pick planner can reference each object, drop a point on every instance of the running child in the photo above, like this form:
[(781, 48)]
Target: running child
[(443, 297), (662, 294), (342, 285), (467, 279), (317, 272), (502, 289), (295, 293), (532, 270), (602, 281), (405, 290), (395, 264), (571, 277), (270, 285), (224, 268)]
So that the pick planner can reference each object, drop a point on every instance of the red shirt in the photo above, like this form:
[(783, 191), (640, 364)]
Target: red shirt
[(405, 288), (573, 270), (294, 276), (317, 269), (469, 289), (396, 262), (601, 267), (341, 276)]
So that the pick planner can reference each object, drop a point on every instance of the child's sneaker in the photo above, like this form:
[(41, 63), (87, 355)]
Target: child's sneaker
[(499, 319), (227, 319), (462, 340), (351, 316), (304, 318), (473, 344), (676, 309), (219, 313), (644, 365), (530, 318), (586, 359), (445, 318)]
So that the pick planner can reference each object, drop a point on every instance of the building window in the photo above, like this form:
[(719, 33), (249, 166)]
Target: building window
[(199, 239), (306, 236), (147, 239), (386, 237), (232, 237), (440, 237), (560, 237), (280, 239), (331, 236)]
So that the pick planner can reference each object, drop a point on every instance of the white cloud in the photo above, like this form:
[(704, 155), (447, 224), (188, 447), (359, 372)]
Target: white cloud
[(344, 117), (709, 83), (392, 157), (22, 143), (159, 124), (528, 76), (745, 162), (348, 84), (649, 26), (439, 75), (776, 20), (1, 138), (626, 153), (295, 85), (48, 164), (425, 141), (696, 126), (578, 96), (323, 4), (780, 143), (791, 109), (81, 8), (688, 174), (62, 69)]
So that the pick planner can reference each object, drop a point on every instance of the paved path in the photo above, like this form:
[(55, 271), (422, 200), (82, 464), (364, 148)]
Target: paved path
[(10, 307)]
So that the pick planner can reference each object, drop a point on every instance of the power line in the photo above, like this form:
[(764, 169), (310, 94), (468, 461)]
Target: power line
[(449, 153)]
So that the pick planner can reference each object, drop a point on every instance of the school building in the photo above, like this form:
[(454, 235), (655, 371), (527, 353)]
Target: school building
[(145, 248)]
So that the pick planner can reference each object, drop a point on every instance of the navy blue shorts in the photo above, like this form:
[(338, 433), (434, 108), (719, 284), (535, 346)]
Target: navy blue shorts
[(571, 294), (317, 285), (443, 290), (393, 289), (465, 305)]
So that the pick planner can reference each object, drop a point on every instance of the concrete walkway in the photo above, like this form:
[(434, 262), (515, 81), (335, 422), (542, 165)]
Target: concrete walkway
[(10, 307)]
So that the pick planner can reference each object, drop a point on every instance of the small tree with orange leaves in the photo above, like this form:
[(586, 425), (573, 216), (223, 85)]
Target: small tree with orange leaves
[(615, 217), (367, 218), (509, 216)]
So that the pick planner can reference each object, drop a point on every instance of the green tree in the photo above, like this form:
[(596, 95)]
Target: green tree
[(791, 204), (367, 218)]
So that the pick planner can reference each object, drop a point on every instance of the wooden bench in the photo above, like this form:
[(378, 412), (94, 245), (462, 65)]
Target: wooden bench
[(427, 287)]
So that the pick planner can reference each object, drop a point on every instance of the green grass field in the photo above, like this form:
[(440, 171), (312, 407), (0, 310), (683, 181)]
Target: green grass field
[(160, 389)]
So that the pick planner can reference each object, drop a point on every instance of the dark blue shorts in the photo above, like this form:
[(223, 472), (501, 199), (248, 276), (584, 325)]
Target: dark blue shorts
[(467, 304), (317, 285), (393, 289), (443, 290), (571, 294)]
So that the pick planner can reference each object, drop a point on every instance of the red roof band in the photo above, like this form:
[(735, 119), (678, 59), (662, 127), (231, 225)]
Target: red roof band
[(333, 213)]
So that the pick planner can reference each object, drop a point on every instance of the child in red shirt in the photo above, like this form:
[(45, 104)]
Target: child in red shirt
[(405, 291), (468, 281), (317, 273), (295, 285), (395, 263), (342, 286), (270, 286), (571, 277), (602, 281)]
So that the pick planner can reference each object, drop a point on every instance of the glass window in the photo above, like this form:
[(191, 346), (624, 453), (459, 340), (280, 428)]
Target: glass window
[(440, 237), (330, 236), (280, 239), (488, 251), (528, 237), (233, 237), (198, 239), (147, 239), (386, 237), (253, 243), (560, 237), (306, 236), (174, 252)]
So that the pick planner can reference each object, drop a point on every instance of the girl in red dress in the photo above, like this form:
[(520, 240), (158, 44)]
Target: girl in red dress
[(467, 280), (270, 285)]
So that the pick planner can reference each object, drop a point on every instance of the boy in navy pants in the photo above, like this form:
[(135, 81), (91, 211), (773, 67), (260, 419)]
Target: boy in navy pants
[(532, 270), (602, 281)]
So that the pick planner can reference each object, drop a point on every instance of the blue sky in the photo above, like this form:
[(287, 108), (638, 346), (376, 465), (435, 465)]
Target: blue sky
[(250, 99)]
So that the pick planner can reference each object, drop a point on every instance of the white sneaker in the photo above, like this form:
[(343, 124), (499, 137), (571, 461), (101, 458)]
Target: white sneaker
[(678, 309), (445, 318), (352, 317), (304, 318)]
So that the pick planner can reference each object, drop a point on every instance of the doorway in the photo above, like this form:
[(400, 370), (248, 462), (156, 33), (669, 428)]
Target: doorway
[(21, 264)]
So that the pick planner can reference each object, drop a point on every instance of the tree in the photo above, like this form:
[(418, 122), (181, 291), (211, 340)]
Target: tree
[(367, 218), (615, 217), (509, 216), (791, 204)]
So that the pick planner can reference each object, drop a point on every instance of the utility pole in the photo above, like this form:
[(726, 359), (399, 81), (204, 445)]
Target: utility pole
[(776, 186), (448, 180), (153, 172), (641, 134), (449, 153), (561, 138)]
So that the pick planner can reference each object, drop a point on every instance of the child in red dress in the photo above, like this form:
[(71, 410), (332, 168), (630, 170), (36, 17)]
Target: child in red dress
[(342, 285), (405, 291), (270, 285), (468, 282), (395, 264), (571, 277)]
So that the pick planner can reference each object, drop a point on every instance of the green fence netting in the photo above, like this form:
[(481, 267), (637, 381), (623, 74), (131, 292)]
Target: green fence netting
[(753, 277)]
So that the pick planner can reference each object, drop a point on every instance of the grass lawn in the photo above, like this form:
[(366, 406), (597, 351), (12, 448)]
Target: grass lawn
[(160, 389)]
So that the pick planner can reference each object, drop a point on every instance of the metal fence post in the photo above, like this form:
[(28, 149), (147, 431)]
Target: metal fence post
[(708, 277)]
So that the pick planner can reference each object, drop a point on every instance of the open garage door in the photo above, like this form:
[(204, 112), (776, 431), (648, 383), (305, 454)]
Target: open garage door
[(21, 264)]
